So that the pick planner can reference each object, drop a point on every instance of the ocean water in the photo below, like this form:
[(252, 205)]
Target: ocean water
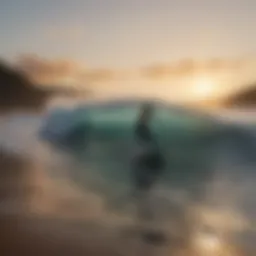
[(206, 194), (102, 137), (209, 180)]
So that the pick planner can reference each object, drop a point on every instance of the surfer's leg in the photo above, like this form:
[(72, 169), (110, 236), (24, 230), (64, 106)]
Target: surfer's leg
[(145, 182), (141, 193), (144, 209)]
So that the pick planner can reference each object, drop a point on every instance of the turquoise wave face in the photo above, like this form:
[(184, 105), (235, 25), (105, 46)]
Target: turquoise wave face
[(100, 137)]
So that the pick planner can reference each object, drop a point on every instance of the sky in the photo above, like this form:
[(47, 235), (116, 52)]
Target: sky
[(107, 35)]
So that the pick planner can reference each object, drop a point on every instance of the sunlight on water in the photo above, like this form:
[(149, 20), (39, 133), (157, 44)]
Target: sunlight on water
[(207, 244)]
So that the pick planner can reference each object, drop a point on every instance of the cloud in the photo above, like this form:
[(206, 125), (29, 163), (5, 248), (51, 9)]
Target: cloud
[(61, 71), (103, 81), (67, 71), (42, 70), (227, 64), (98, 75), (188, 67), (181, 68)]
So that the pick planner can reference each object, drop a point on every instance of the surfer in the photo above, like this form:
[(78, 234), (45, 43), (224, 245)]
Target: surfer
[(148, 161)]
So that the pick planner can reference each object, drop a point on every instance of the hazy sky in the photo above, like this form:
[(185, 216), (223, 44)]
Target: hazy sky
[(128, 33)]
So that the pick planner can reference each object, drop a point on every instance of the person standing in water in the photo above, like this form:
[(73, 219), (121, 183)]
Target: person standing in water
[(148, 162)]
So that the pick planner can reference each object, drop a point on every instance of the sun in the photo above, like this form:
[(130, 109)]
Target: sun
[(203, 88)]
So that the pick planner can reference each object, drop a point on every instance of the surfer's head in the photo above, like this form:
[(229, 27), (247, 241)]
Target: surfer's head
[(146, 112)]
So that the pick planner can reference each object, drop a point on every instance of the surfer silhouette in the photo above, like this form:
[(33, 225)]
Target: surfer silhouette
[(148, 162)]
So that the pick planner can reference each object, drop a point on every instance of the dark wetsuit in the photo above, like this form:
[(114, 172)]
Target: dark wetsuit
[(149, 164)]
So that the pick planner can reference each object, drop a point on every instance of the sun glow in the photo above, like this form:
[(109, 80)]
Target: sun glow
[(203, 88)]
